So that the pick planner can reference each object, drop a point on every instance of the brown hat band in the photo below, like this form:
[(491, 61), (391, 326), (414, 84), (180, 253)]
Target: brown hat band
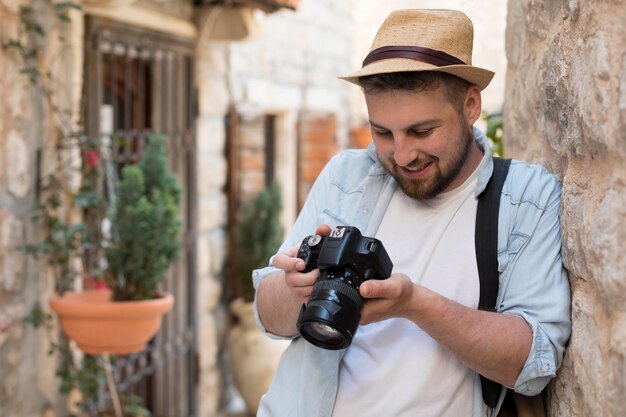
[(418, 53)]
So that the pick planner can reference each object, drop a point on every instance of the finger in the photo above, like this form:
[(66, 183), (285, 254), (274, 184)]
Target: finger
[(304, 293), (371, 289), (374, 288), (323, 230), (393, 287), (292, 251), (288, 263), (298, 280)]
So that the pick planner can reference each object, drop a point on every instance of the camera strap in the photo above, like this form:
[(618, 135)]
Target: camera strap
[(486, 241)]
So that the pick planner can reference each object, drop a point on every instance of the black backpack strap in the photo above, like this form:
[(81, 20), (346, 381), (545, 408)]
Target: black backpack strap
[(486, 241)]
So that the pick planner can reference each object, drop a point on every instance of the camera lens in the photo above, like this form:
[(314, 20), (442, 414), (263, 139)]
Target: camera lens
[(332, 315), (323, 333)]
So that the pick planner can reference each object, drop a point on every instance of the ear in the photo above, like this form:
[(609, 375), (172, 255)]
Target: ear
[(472, 105)]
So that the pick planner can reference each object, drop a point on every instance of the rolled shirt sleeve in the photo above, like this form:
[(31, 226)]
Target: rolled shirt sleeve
[(534, 283)]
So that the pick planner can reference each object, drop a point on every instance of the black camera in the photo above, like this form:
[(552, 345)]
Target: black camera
[(346, 259)]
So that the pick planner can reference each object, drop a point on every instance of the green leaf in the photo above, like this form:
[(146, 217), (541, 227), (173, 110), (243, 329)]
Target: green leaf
[(37, 317), (67, 5), (12, 43)]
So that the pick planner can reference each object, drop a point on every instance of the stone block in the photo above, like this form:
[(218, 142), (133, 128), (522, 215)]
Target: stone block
[(203, 255), (211, 134), (272, 95), (213, 293), (323, 99), (608, 236), (207, 343), (217, 248), (213, 95), (593, 94), (212, 173), (210, 390), (12, 262), (11, 328), (588, 349), (212, 212), (211, 59), (18, 167), (13, 6), (616, 386)]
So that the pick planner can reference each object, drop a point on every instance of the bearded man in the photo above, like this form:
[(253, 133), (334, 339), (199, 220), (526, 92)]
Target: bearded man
[(423, 345)]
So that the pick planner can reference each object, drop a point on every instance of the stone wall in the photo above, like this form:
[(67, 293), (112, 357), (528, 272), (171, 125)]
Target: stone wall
[(28, 386), (566, 108)]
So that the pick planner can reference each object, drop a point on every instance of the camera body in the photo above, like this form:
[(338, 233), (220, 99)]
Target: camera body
[(345, 247), (345, 259)]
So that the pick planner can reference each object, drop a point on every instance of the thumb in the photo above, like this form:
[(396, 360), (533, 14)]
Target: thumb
[(323, 229), (369, 289)]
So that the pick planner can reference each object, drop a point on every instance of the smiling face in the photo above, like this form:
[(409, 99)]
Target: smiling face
[(423, 140)]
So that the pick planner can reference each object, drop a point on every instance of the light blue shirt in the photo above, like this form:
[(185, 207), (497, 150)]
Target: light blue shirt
[(355, 190)]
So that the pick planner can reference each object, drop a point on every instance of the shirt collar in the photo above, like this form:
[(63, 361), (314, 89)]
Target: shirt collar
[(486, 166)]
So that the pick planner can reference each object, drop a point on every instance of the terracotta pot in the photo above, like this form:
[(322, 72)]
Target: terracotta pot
[(99, 325), (254, 357)]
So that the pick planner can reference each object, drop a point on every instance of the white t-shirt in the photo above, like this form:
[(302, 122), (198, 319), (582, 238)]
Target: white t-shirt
[(393, 368)]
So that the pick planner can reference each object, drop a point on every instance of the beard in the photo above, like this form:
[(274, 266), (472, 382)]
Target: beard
[(444, 170)]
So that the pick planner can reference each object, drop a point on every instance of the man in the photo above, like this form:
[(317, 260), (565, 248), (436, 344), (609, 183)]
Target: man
[(422, 343)]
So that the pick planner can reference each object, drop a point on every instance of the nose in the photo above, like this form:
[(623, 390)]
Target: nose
[(404, 150)]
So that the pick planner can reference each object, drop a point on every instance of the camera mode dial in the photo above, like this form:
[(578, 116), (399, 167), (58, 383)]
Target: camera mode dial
[(309, 251)]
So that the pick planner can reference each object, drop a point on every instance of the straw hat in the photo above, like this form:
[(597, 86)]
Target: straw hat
[(424, 40)]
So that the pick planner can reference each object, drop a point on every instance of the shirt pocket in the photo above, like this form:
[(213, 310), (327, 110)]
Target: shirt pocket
[(332, 219), (514, 245)]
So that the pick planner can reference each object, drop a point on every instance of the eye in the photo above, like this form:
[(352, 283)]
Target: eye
[(421, 133), (381, 133)]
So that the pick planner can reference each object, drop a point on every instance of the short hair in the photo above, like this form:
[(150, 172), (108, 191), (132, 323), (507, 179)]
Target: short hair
[(417, 81)]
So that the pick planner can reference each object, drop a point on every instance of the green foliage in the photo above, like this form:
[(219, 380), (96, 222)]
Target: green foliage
[(494, 131), (132, 406), (86, 376), (68, 219), (64, 237), (37, 317), (145, 226), (259, 235)]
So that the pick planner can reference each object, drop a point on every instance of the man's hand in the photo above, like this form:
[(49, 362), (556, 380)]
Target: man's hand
[(281, 295), (387, 298), (300, 284), (495, 345)]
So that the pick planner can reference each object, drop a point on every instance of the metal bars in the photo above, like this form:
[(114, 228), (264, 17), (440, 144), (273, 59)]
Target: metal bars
[(144, 81)]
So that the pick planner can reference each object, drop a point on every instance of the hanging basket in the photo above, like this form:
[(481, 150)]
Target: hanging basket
[(99, 325)]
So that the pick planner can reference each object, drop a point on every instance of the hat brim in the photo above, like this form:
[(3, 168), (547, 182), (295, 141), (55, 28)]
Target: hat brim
[(475, 75)]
